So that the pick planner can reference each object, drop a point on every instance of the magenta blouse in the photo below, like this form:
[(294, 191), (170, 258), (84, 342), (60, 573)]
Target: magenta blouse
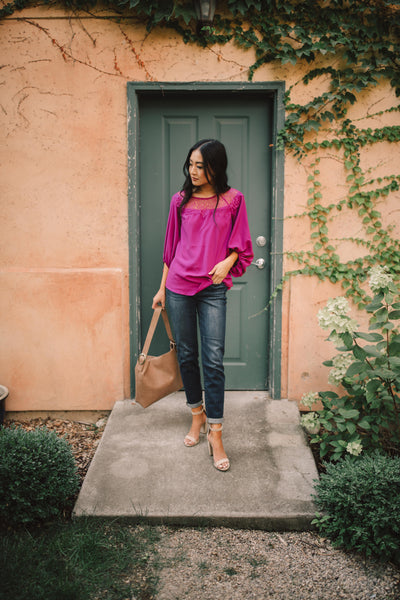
[(205, 238)]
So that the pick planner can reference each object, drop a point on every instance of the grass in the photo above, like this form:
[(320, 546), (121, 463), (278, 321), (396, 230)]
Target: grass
[(230, 571), (203, 566), (78, 560)]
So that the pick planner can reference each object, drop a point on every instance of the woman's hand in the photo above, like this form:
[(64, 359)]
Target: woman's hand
[(159, 298), (221, 269)]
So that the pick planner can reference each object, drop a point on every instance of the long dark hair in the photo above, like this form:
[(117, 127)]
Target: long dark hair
[(215, 164)]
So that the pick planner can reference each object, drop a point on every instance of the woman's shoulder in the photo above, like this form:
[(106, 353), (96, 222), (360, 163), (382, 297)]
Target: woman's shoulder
[(234, 192), (177, 198), (233, 197)]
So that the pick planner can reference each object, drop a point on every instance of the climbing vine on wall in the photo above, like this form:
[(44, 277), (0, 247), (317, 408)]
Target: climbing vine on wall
[(350, 47)]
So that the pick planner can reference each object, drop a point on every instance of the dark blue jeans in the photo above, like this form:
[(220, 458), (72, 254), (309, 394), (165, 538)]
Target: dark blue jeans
[(208, 307)]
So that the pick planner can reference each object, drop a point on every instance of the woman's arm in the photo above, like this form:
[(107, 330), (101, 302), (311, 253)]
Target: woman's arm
[(159, 298), (221, 269), (172, 236), (240, 239)]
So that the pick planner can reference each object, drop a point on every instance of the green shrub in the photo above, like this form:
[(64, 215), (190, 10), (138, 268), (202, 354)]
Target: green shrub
[(360, 498), (367, 368), (37, 475)]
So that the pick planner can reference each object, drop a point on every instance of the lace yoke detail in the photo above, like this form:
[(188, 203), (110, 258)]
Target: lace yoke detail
[(227, 199)]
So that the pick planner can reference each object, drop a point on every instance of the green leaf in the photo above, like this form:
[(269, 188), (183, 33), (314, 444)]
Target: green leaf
[(375, 326), (311, 124), (359, 353), (185, 13), (373, 351), (329, 395), (364, 424), (369, 337), (347, 339), (355, 369), (373, 306), (373, 385), (394, 349), (351, 413), (351, 427), (382, 314), (394, 315), (385, 374)]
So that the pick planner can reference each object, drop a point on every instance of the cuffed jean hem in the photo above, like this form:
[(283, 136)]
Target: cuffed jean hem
[(194, 405), (215, 421)]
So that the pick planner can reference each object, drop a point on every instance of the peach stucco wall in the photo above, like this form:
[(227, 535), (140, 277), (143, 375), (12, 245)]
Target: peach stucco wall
[(64, 305)]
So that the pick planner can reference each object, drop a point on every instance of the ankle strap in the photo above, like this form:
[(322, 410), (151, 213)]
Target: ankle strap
[(199, 412), (214, 428)]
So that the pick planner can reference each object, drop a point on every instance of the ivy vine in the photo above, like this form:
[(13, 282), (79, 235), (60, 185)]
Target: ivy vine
[(359, 40)]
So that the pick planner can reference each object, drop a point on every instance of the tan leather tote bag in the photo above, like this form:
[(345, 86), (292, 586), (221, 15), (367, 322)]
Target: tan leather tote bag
[(157, 376)]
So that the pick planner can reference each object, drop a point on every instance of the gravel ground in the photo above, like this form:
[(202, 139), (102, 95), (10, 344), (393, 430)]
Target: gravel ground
[(229, 564)]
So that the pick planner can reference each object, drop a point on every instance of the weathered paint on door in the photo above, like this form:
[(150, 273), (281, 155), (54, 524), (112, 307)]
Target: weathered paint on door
[(168, 125)]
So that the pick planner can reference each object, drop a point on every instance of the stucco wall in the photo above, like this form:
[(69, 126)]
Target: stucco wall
[(64, 305)]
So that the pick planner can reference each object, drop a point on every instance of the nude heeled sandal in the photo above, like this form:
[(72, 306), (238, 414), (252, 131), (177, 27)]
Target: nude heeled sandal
[(220, 465), (189, 440)]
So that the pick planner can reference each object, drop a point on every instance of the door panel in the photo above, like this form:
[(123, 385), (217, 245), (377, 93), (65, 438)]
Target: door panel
[(168, 126)]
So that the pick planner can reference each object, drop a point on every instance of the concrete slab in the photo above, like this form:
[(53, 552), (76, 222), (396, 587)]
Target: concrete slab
[(142, 470)]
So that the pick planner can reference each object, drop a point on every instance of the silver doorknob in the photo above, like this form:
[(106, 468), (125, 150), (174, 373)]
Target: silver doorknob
[(259, 263), (261, 241)]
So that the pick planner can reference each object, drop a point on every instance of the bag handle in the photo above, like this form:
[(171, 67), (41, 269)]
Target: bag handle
[(153, 324)]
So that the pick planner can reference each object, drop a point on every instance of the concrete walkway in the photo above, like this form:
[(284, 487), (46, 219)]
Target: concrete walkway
[(142, 470)]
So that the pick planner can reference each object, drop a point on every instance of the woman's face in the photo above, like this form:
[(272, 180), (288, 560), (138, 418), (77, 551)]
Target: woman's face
[(196, 169)]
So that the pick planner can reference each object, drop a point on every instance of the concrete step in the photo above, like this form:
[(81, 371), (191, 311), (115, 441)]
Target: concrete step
[(142, 470)]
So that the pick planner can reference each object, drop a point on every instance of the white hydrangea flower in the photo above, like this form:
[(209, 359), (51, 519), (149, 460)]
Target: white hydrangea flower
[(379, 278), (335, 339), (340, 305), (309, 398), (311, 422), (354, 448), (341, 363), (334, 318)]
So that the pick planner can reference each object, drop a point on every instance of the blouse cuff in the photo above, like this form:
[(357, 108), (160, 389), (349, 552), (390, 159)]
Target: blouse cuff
[(244, 260)]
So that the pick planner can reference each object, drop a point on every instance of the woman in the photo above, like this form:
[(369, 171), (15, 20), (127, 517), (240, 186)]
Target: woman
[(206, 242)]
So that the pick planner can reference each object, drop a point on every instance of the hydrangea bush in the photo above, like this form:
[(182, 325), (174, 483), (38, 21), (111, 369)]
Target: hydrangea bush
[(367, 416)]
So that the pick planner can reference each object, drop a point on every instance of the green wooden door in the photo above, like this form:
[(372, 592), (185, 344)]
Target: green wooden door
[(168, 125)]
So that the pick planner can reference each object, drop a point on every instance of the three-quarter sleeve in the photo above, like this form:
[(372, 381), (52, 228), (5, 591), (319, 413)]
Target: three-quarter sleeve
[(172, 234), (240, 238)]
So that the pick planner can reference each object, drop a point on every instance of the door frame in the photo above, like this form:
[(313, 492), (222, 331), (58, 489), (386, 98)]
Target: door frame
[(275, 90)]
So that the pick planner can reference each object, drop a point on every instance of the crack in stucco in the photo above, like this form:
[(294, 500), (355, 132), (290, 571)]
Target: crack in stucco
[(136, 54), (221, 57), (67, 54), (39, 60), (24, 94), (19, 111)]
